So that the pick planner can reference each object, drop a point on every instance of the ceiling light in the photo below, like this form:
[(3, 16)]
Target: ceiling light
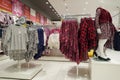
[(52, 9), (50, 6), (46, 2), (84, 9), (58, 14), (88, 12), (66, 9), (65, 4), (68, 13), (101, 1), (86, 2)]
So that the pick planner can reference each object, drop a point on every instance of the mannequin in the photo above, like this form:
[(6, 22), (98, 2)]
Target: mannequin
[(103, 22), (100, 52)]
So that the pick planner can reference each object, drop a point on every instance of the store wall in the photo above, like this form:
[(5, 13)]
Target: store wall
[(116, 18), (58, 23)]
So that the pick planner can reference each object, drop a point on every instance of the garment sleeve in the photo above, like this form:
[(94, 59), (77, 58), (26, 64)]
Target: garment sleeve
[(50, 42), (45, 39), (26, 35), (97, 18), (36, 37), (7, 36)]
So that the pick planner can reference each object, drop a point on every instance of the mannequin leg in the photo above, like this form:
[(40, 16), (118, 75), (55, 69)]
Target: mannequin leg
[(100, 50), (101, 47)]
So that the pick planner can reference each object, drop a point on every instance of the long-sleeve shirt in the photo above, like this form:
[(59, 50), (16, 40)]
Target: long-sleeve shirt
[(15, 41)]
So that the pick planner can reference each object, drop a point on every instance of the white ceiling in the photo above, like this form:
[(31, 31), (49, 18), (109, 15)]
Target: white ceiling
[(75, 7)]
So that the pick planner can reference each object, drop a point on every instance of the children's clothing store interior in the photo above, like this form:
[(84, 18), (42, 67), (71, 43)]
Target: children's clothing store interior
[(59, 39)]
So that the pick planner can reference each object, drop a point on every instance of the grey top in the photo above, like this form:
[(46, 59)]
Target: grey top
[(32, 44), (15, 42)]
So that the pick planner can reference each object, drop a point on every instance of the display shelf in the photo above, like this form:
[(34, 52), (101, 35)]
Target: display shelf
[(104, 70), (101, 70), (3, 57), (9, 69)]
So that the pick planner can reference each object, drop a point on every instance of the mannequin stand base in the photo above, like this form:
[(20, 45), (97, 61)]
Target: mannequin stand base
[(3, 57), (9, 69)]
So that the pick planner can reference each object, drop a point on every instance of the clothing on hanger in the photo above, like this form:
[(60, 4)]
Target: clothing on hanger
[(15, 42)]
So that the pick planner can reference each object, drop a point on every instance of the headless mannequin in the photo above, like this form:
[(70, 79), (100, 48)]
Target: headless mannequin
[(102, 20), (100, 50)]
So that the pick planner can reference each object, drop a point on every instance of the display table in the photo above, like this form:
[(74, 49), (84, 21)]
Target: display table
[(9, 69), (104, 70), (3, 57)]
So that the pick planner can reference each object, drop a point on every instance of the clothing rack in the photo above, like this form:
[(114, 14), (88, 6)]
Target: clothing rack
[(77, 15), (74, 16)]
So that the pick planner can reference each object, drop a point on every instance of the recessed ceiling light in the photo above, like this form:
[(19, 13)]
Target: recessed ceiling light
[(66, 9), (68, 13), (65, 4), (86, 2), (84, 9), (52, 9), (115, 12), (46, 2), (88, 12), (50, 6), (101, 1)]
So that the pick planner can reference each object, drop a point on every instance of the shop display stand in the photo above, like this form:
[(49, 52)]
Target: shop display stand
[(21, 70), (101, 70), (3, 57), (19, 65), (77, 70)]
